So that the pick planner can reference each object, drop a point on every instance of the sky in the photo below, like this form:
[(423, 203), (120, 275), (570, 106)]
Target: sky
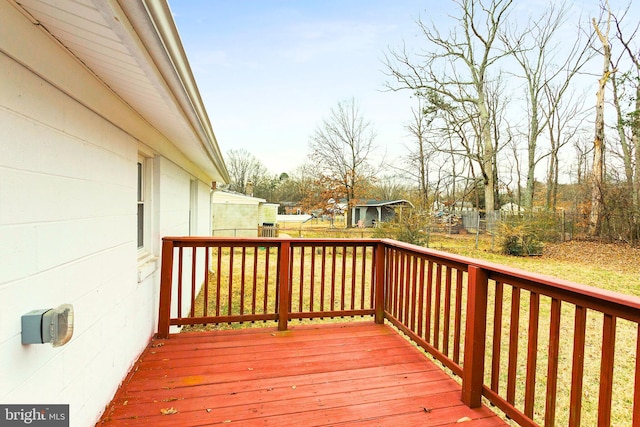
[(269, 71)]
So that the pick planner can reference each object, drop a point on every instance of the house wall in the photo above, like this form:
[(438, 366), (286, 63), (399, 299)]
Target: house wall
[(234, 215), (235, 220), (68, 230)]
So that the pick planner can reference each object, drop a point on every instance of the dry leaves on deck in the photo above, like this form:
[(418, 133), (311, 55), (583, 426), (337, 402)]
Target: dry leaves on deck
[(168, 411)]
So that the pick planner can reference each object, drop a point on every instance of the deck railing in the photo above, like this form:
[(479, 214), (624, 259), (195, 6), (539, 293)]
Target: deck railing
[(518, 339)]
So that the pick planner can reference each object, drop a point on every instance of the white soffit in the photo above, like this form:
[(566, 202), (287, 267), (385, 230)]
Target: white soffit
[(134, 48)]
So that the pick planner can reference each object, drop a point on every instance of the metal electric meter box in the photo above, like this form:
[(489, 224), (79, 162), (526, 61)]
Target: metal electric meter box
[(32, 327), (54, 326)]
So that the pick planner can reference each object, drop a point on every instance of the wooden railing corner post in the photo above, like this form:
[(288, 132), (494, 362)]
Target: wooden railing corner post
[(166, 277), (284, 285), (379, 252), (475, 336)]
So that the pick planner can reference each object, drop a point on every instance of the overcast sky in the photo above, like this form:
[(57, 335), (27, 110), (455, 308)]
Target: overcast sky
[(269, 71)]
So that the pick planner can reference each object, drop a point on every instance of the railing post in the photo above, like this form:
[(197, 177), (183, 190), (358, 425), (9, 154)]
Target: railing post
[(283, 281), (475, 335), (166, 276), (379, 282)]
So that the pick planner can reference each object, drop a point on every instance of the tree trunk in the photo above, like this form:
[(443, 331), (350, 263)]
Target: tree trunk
[(488, 155), (597, 200)]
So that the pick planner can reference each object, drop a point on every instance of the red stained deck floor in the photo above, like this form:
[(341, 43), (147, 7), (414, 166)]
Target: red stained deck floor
[(340, 374)]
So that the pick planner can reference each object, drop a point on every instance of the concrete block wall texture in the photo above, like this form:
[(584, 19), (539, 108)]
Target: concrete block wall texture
[(235, 220), (68, 220)]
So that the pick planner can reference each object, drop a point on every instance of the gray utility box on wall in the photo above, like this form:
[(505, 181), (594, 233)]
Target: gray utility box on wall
[(32, 327), (54, 326)]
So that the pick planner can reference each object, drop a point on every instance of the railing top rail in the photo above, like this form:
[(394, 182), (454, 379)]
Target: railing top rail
[(210, 240), (626, 306), (621, 305)]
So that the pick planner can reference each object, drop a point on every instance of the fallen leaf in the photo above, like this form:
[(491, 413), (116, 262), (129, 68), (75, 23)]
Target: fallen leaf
[(463, 420), (158, 344), (208, 409), (427, 410), (168, 411), (293, 387)]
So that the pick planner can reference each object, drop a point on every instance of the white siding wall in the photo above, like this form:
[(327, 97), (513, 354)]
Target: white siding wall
[(68, 235), (235, 220)]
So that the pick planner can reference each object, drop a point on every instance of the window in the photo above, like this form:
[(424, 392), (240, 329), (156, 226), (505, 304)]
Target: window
[(141, 200)]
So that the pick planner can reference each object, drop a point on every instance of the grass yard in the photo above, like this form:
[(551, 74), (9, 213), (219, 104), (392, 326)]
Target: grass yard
[(608, 266)]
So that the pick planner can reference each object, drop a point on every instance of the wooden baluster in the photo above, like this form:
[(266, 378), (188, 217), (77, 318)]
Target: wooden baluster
[(343, 282), (193, 278), (552, 367), (255, 280), (401, 284), (379, 261), (323, 266), (205, 304), (636, 390), (166, 276), (497, 336), (513, 345), (436, 309), (180, 284), (458, 318), (333, 278), (301, 282), (606, 369), (577, 369), (447, 312), (421, 299), (363, 278), (218, 278), (407, 287), (354, 257), (267, 268), (532, 354), (284, 264), (312, 278), (414, 289), (243, 274), (230, 283), (427, 317)]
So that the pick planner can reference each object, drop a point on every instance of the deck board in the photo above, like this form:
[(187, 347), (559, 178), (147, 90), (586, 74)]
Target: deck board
[(318, 375)]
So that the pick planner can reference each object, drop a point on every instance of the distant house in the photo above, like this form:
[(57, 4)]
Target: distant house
[(105, 146), (238, 215), (290, 208), (374, 212), (511, 208)]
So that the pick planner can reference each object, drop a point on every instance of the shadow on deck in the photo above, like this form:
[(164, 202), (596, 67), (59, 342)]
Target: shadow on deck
[(314, 375)]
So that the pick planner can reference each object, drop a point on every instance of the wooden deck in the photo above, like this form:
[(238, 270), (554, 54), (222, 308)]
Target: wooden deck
[(314, 375)]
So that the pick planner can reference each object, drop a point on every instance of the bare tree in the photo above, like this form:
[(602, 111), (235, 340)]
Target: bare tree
[(628, 123), (421, 153), (597, 171), (537, 51), (244, 167), (457, 68), (342, 146), (564, 116)]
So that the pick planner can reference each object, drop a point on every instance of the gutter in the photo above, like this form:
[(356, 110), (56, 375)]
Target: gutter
[(167, 52)]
